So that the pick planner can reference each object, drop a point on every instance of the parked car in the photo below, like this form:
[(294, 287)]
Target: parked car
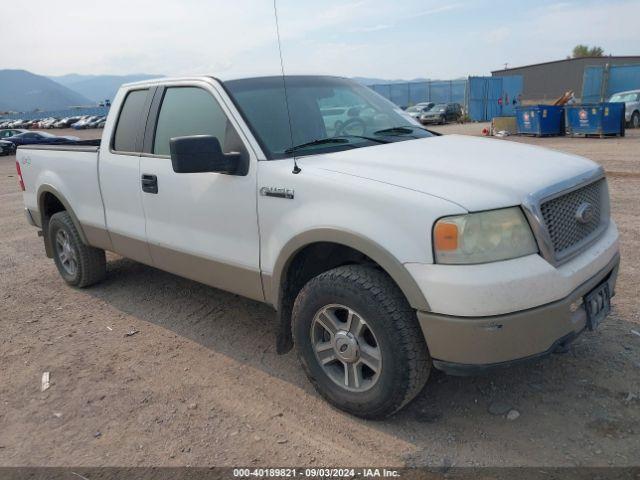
[(84, 122), (10, 132), (18, 124), (66, 122), (39, 138), (631, 99), (419, 109), (7, 148), (442, 113), (47, 123), (384, 253), (94, 123)]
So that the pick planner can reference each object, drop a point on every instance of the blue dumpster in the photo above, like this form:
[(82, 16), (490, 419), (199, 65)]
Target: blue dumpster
[(595, 119), (540, 120)]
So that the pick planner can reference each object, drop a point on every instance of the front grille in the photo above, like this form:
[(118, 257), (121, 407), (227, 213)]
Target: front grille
[(560, 217)]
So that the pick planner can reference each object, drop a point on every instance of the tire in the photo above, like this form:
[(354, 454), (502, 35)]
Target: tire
[(443, 120), (388, 326), (635, 120), (79, 265)]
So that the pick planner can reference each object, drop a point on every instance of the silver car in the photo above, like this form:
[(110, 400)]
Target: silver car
[(631, 99)]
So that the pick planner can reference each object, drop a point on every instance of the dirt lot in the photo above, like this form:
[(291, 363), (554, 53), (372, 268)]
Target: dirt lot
[(201, 384)]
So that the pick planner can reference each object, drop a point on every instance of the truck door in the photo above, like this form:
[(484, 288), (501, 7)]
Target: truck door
[(119, 171), (202, 226)]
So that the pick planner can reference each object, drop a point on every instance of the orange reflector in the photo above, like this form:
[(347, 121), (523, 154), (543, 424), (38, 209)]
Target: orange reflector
[(446, 236)]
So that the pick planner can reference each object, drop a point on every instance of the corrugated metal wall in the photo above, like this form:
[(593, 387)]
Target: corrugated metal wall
[(490, 97), (438, 91), (70, 112), (600, 82)]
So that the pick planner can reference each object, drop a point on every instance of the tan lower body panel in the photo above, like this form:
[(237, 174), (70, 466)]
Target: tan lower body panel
[(97, 237), (234, 279), (485, 341)]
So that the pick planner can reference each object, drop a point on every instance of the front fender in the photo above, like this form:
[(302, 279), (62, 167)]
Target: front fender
[(371, 249)]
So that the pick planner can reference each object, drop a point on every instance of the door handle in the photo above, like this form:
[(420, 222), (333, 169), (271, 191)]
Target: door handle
[(149, 183)]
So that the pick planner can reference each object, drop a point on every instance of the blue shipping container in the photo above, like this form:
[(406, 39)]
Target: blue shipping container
[(540, 120), (595, 119)]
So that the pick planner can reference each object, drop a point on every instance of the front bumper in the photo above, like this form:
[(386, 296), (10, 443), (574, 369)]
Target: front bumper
[(467, 345), (430, 120)]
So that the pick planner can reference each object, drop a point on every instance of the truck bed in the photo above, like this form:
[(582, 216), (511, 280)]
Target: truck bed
[(77, 146), (70, 172)]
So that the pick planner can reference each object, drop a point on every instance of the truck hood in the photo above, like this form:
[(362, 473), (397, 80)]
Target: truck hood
[(475, 173)]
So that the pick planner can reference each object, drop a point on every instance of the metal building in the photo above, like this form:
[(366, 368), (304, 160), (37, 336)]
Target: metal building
[(547, 81)]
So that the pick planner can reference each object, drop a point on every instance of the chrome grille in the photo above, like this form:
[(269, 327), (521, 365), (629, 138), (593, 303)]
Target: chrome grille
[(560, 216)]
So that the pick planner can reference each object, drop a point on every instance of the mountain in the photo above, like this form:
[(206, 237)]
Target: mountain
[(24, 91), (98, 87)]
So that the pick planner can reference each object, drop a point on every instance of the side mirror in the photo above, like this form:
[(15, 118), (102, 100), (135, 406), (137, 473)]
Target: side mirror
[(203, 153)]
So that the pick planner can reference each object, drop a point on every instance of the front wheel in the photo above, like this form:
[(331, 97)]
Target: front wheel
[(635, 120), (79, 265), (359, 341)]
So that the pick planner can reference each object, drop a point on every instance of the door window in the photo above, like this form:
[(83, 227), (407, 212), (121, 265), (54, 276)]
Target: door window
[(188, 111), (130, 122)]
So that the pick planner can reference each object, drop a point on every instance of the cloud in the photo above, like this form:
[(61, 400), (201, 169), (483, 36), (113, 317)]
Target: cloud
[(497, 36), (435, 10), (372, 28)]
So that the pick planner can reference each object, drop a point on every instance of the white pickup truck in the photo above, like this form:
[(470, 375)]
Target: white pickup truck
[(385, 249)]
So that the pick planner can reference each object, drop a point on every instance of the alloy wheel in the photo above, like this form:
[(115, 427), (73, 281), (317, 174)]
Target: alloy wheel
[(346, 348)]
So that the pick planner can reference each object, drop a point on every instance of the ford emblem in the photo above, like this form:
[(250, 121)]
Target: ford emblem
[(585, 212)]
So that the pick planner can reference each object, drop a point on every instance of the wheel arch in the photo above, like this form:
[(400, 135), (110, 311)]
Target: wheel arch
[(276, 286), (381, 256), (51, 201)]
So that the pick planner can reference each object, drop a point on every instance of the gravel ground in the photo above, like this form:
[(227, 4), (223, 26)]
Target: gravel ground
[(201, 384)]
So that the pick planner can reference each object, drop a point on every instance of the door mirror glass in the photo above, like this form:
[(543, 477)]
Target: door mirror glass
[(203, 153)]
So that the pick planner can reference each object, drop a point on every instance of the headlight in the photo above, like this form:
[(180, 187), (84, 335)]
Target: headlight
[(483, 237)]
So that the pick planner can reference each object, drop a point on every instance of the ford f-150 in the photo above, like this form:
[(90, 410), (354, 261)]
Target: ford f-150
[(387, 250)]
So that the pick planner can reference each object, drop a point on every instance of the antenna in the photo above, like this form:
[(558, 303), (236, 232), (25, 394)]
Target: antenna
[(296, 168)]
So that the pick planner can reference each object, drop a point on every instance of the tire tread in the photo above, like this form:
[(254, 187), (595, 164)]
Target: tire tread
[(391, 300), (92, 262)]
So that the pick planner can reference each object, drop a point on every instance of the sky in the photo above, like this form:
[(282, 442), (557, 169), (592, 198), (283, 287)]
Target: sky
[(400, 39)]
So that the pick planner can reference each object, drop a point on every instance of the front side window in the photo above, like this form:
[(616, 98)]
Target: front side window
[(188, 111), (130, 122)]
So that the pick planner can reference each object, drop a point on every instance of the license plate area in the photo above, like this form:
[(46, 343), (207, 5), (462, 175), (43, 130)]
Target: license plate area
[(598, 305)]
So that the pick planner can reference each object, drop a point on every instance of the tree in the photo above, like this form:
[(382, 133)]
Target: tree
[(585, 51)]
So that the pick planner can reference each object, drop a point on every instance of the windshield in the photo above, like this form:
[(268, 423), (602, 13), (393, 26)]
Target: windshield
[(439, 108), (624, 97), (320, 108)]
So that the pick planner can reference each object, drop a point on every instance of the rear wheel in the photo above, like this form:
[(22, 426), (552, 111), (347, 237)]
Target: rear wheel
[(79, 265), (635, 120), (359, 341)]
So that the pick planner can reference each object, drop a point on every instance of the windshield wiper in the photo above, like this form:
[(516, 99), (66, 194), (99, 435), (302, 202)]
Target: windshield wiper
[(401, 130), (332, 140), (404, 130)]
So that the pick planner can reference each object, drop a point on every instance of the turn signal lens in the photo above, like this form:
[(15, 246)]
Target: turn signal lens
[(446, 236)]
